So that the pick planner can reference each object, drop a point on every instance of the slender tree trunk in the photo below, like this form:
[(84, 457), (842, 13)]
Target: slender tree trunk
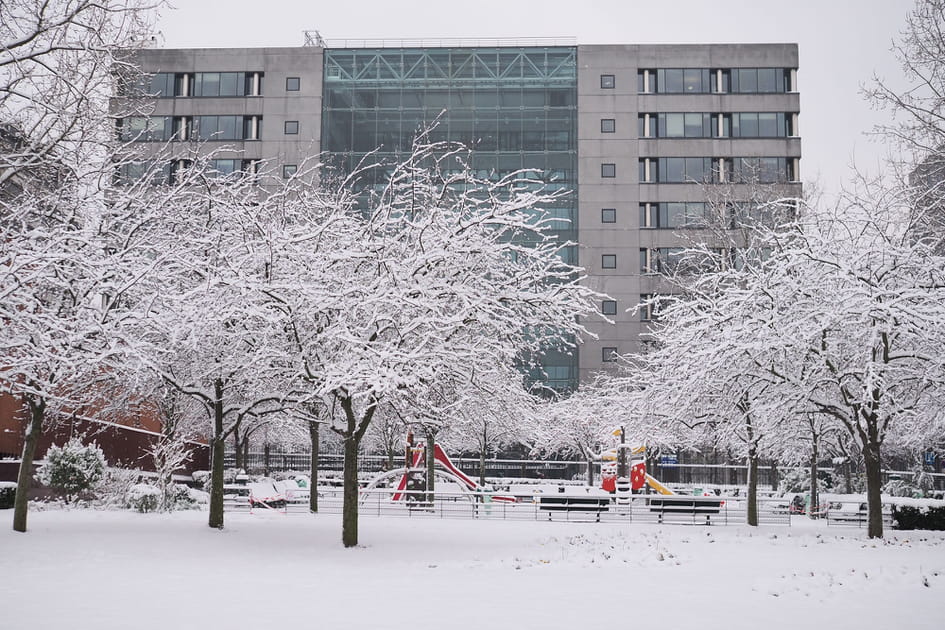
[(774, 476), (313, 486), (238, 455), (813, 510), (753, 486), (848, 476), (874, 482), (246, 454), (431, 463), (349, 516), (590, 471), (216, 474), (482, 455), (24, 479), (752, 463), (266, 452)]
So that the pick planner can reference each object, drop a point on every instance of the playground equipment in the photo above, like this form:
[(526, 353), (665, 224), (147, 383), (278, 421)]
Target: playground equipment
[(412, 478), (633, 456)]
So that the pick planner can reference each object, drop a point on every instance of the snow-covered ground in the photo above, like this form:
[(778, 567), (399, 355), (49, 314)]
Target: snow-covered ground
[(85, 569)]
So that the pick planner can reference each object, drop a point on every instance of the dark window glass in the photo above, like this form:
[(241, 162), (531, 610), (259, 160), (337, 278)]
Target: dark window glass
[(694, 80), (608, 215), (231, 84), (292, 84), (608, 261), (608, 307), (747, 80), (608, 125), (608, 354), (288, 170), (671, 80), (607, 81), (768, 125), (768, 80), (207, 84), (674, 170), (608, 170), (291, 127)]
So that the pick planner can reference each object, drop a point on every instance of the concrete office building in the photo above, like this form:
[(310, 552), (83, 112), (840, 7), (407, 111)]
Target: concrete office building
[(635, 131)]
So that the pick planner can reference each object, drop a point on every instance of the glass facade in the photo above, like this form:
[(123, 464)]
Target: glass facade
[(515, 107)]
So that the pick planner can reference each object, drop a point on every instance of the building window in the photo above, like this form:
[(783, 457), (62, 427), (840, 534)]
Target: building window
[(291, 127), (674, 214), (608, 215), (608, 261), (225, 127), (288, 170), (680, 170), (608, 307), (607, 81), (646, 81), (292, 84), (608, 170), (650, 307), (608, 125), (608, 354)]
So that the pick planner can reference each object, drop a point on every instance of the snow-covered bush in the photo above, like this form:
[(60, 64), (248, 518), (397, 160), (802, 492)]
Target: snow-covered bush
[(181, 497), (112, 490), (918, 517), (798, 480), (202, 479), (143, 497), (916, 487), (7, 494), (72, 468)]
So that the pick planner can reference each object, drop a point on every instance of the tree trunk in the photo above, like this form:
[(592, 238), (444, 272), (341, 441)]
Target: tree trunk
[(590, 471), (752, 487), (24, 479), (246, 454), (238, 455), (874, 481), (431, 463), (349, 511), (482, 456), (313, 486), (814, 506), (266, 452), (216, 474), (774, 476)]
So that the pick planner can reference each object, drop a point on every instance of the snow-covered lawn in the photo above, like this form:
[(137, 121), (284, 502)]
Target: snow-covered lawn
[(83, 569)]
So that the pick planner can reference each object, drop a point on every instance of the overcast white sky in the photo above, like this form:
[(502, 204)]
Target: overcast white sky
[(842, 43)]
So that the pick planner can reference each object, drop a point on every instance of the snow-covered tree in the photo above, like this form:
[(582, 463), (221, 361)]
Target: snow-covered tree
[(72, 468), (200, 317), (57, 60), (432, 276)]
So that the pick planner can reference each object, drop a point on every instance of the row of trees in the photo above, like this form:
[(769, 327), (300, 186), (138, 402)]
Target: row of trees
[(249, 298), (827, 326)]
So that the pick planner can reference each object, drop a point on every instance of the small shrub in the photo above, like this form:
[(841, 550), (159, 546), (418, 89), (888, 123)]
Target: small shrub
[(7, 494), (72, 468), (181, 498), (912, 517), (112, 490), (798, 480), (143, 498)]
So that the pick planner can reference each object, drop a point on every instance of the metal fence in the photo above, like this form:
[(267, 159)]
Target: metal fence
[(674, 509), (682, 473)]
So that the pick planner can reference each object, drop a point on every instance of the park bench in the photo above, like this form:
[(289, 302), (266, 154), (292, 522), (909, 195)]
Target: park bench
[(694, 507), (569, 503)]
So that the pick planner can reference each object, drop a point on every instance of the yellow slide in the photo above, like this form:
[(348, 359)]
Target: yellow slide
[(656, 485)]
